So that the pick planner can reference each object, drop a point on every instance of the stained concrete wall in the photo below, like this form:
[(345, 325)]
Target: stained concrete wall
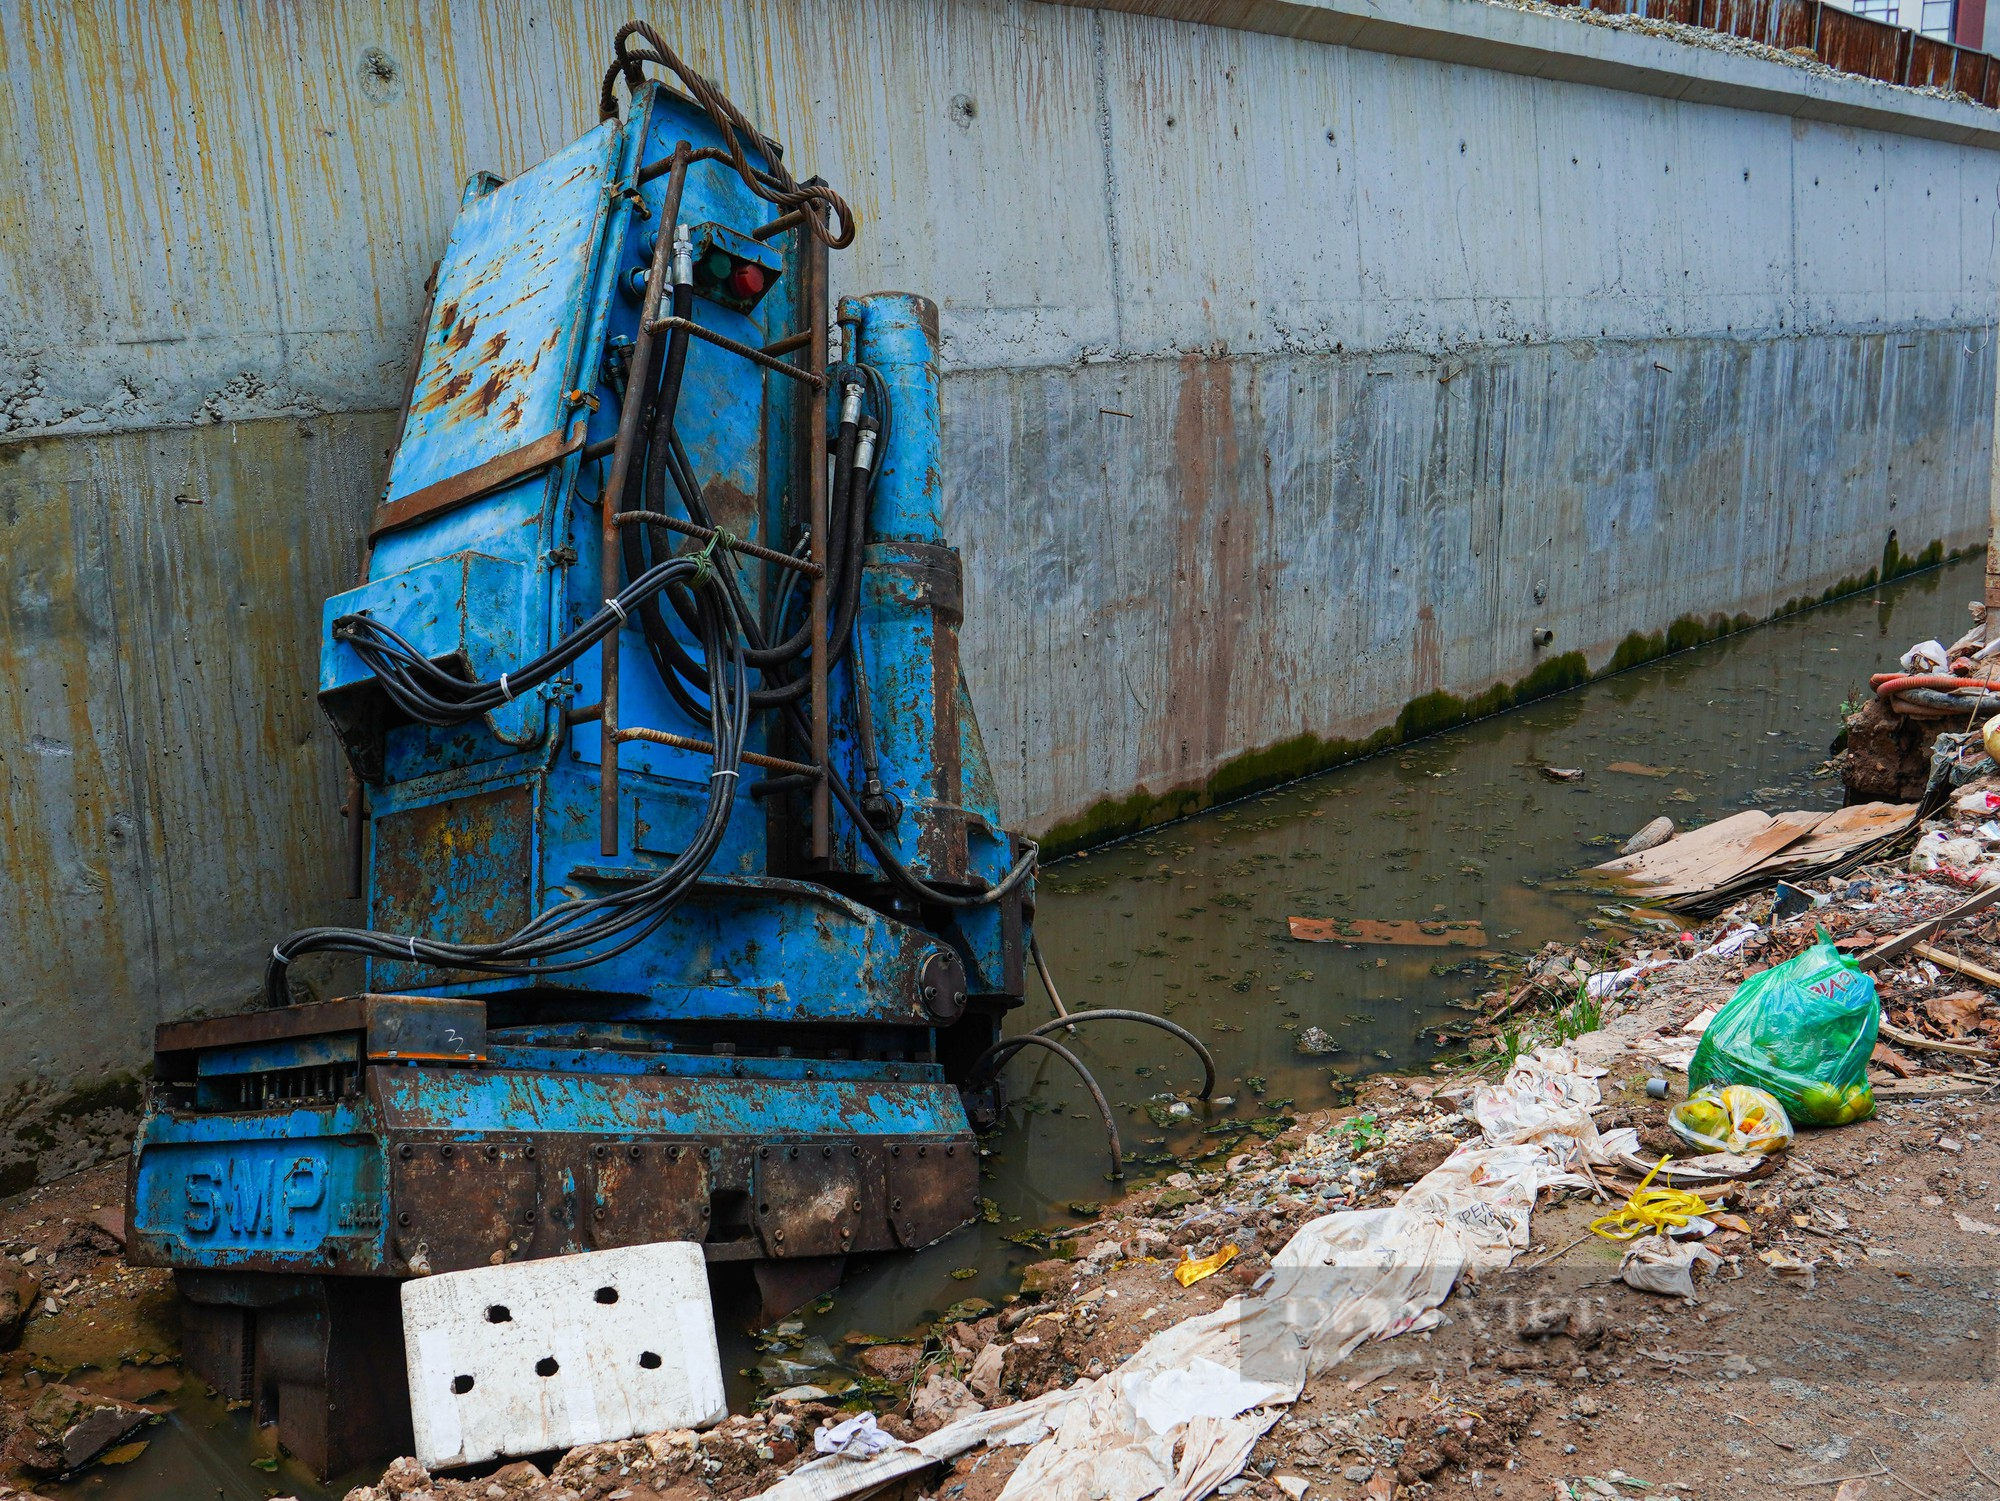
[(1302, 360)]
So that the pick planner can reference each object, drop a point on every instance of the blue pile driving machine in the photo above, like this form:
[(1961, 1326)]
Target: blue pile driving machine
[(689, 912)]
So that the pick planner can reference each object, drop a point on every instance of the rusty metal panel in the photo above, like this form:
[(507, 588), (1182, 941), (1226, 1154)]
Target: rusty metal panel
[(460, 871), (1932, 64), (1856, 44), (1795, 23), (461, 1204), (812, 1198), (498, 358), (929, 1184), (646, 1193)]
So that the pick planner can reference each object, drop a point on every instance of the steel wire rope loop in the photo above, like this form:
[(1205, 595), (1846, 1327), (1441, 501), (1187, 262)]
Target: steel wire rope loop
[(775, 183), (993, 1058), (1112, 1013)]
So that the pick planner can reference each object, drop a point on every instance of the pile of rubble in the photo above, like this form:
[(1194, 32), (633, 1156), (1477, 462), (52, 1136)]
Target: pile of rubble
[(1501, 1388), (87, 1344), (1884, 748)]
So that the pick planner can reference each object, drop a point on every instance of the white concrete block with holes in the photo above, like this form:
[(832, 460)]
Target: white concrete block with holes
[(567, 1350)]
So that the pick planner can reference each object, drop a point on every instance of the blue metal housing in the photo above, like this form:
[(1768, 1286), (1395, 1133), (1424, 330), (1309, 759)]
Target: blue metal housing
[(775, 1071)]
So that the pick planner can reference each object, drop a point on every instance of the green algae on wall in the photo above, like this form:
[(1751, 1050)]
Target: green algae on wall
[(1432, 713), (44, 1136), (1302, 755)]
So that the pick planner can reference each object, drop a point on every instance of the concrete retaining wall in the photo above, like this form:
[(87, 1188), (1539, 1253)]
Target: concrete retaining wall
[(1302, 362)]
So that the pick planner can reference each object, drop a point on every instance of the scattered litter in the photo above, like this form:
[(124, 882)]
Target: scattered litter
[(857, 1438), (1938, 851), (1789, 1264), (1651, 1210), (1192, 1269), (1343, 1278), (1738, 1118), (1563, 773), (1926, 656), (1652, 836), (1707, 868), (1604, 986), (1803, 1031), (1657, 1264)]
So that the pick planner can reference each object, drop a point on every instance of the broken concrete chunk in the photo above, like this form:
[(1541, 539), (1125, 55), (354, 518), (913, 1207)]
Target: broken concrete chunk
[(897, 1363), (518, 1476), (1405, 1164), (1145, 1242), (404, 1478), (940, 1400), (1046, 1277), (66, 1428), (18, 1291)]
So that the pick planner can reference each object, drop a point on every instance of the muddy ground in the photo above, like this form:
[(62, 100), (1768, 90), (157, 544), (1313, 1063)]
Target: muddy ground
[(1846, 1344), (1846, 1339), (89, 1347)]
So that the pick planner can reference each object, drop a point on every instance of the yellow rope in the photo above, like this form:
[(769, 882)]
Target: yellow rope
[(1650, 1210)]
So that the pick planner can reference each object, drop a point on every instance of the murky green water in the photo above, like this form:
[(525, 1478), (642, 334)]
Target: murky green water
[(1189, 921)]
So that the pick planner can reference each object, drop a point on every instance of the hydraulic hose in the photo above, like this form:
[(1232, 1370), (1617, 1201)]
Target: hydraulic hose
[(992, 1059), (1048, 980), (583, 931), (430, 695), (1889, 684), (1145, 1017)]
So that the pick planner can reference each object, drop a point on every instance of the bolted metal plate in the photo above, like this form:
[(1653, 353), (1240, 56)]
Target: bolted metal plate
[(462, 1204), (646, 1192), (933, 1188), (812, 1198)]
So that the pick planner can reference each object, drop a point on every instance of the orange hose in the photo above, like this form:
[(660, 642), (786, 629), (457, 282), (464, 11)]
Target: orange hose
[(1887, 684)]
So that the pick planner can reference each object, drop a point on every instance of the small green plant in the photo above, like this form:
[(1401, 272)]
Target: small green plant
[(1359, 1132), (1507, 1047), (1582, 1015)]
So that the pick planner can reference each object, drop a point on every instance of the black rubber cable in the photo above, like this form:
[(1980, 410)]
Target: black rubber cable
[(628, 916), (993, 1058), (1119, 1014)]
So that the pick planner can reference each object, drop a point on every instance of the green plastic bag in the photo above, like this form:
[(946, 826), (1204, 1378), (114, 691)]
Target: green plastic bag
[(1803, 1030)]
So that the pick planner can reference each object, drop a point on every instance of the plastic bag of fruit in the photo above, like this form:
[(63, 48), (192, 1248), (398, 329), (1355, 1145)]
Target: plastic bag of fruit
[(1802, 1030), (1736, 1118)]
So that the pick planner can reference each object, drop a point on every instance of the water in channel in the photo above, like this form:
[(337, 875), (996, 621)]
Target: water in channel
[(1189, 921)]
